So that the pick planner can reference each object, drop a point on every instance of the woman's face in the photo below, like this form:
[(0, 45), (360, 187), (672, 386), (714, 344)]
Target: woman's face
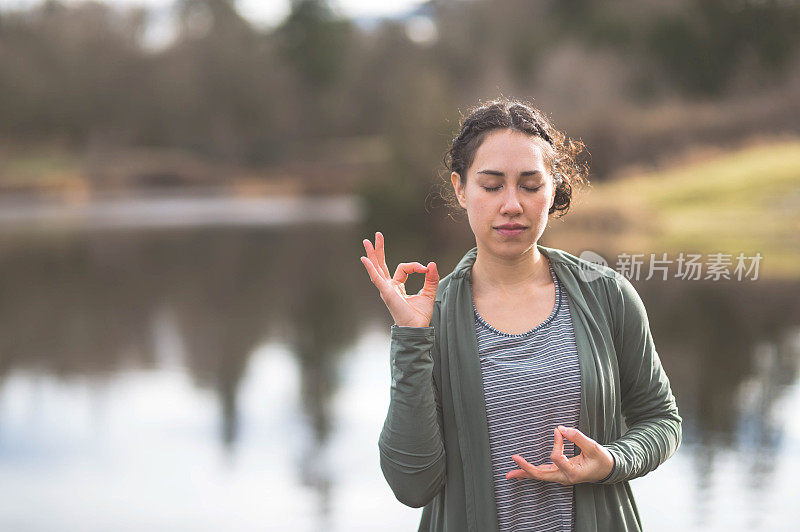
[(508, 193)]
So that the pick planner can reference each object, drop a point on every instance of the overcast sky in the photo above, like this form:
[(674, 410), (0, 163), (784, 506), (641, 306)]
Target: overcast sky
[(267, 12)]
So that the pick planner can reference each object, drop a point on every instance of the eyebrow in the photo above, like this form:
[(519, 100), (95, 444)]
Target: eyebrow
[(501, 174)]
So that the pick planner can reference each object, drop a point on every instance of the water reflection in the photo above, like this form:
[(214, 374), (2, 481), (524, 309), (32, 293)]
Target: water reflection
[(85, 305), (732, 352), (90, 307)]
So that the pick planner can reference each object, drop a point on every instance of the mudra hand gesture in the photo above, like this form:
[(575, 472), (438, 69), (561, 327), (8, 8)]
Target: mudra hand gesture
[(407, 311), (593, 463)]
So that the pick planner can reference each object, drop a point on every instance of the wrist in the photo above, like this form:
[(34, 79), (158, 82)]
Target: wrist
[(405, 331), (420, 322), (610, 464)]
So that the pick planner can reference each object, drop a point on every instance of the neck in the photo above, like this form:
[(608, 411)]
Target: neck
[(530, 267)]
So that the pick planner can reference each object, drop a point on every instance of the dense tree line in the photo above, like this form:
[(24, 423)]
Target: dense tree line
[(81, 74)]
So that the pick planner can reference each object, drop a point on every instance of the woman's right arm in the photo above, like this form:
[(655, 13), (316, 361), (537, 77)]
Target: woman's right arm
[(411, 446)]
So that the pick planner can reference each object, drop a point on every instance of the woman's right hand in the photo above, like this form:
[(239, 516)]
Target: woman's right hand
[(407, 311)]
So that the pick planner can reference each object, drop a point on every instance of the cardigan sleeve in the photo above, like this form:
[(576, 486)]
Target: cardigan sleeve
[(411, 448), (649, 408)]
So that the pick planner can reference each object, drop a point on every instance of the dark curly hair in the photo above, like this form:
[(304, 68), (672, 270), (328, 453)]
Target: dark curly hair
[(560, 152)]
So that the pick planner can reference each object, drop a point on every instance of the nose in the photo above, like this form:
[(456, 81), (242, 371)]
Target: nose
[(511, 205)]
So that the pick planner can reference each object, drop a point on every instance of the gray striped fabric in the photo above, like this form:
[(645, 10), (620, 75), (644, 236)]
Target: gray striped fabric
[(531, 384)]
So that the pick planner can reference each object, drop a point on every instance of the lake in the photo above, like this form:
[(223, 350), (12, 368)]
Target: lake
[(222, 364)]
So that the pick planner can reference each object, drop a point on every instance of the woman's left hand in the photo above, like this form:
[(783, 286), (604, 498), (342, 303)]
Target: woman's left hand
[(593, 463)]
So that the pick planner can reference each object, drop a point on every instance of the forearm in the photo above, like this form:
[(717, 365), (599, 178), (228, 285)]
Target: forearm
[(648, 405), (411, 448), (644, 447)]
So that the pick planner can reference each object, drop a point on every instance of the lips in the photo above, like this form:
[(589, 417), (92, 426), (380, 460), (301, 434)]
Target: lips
[(510, 229)]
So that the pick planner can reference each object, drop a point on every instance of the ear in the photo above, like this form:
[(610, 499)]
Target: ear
[(455, 179), (553, 194)]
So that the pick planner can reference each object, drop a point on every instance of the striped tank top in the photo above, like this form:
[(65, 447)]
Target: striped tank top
[(531, 384)]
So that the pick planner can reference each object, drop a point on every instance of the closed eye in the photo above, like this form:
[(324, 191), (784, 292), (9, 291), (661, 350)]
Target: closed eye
[(529, 189)]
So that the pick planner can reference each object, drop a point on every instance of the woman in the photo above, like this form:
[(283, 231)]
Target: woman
[(513, 375)]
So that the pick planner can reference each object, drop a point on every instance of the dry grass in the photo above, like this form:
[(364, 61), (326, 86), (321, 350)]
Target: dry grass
[(744, 201)]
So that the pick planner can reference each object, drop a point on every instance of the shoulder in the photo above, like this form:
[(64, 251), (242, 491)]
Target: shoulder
[(587, 274), (585, 269), (612, 292), (623, 302)]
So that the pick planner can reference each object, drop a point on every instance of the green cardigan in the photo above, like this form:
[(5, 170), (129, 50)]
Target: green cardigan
[(434, 446)]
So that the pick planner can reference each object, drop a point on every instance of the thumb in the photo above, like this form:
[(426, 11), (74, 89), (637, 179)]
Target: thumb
[(431, 280)]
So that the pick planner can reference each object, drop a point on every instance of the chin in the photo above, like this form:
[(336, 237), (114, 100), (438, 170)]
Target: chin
[(509, 248)]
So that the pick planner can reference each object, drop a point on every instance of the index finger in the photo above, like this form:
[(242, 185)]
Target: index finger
[(558, 443), (557, 456), (578, 438), (405, 268)]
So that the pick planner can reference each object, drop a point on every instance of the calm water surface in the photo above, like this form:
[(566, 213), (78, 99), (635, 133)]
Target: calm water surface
[(234, 376)]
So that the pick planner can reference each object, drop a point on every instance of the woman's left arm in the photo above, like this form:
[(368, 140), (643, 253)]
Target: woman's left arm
[(649, 408), (654, 426)]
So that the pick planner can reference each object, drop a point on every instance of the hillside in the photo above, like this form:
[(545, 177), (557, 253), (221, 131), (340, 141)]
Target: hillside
[(742, 201)]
